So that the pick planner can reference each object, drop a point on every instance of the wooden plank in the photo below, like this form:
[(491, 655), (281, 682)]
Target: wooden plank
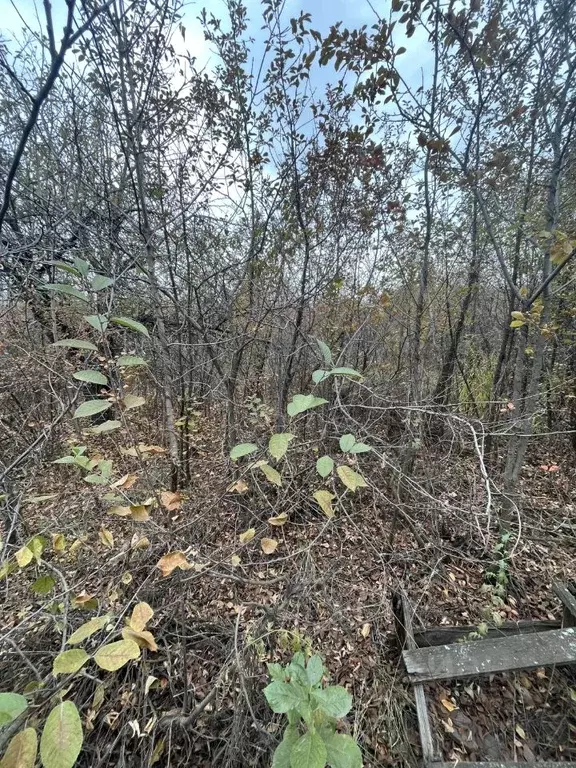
[(482, 657), (561, 591), (444, 635), (426, 740), (454, 764)]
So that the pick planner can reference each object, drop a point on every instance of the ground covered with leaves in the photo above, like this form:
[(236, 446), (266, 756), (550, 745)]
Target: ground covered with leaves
[(238, 572)]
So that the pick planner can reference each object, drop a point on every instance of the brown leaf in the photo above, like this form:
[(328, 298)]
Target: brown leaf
[(238, 487), (247, 535), (106, 537), (126, 482), (171, 501), (171, 561), (279, 520), (449, 705), (143, 638)]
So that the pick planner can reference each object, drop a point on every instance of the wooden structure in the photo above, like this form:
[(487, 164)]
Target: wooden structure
[(525, 645)]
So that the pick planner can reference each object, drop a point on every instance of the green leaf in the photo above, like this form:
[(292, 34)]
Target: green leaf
[(278, 444), (320, 375), (90, 408), (325, 499), (301, 403), (133, 325), (115, 655), (94, 377), (281, 758), (98, 322), (76, 344), (62, 737), (308, 752), (360, 448), (11, 705), (276, 672), (282, 697), (125, 361), (334, 700), (69, 290), (68, 662), (21, 751), (324, 466), (351, 479), (315, 670), (272, 475), (342, 751), (107, 426), (43, 585), (242, 449), (89, 628), (325, 351), (65, 267), (82, 266), (99, 282), (347, 442), (345, 372)]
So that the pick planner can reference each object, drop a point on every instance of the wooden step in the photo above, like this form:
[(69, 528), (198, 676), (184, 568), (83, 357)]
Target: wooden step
[(483, 657)]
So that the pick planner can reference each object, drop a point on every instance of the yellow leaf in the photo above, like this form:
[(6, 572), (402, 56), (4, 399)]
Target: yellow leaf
[(517, 323), (365, 631), (127, 578), (238, 487), (272, 475), (140, 542), (235, 560), (114, 655), (75, 546), (171, 561), (133, 401), (171, 501), (36, 546), (58, 542), (247, 535), (449, 705), (269, 546), (24, 557), (21, 751), (324, 499), (141, 615), (517, 315), (520, 731), (89, 628), (350, 478), (120, 511), (69, 662), (126, 482), (106, 537), (279, 520), (139, 512), (142, 638)]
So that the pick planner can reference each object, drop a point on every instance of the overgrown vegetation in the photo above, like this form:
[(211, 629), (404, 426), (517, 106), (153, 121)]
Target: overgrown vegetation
[(287, 326)]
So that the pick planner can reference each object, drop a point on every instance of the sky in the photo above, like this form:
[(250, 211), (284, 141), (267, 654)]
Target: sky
[(352, 13)]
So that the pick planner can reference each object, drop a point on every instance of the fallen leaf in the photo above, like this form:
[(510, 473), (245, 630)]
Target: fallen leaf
[(120, 511), (449, 705), (238, 487), (365, 631), (126, 482), (106, 537), (280, 519), (171, 561), (324, 499), (247, 535), (140, 542), (171, 501), (520, 731), (235, 560), (269, 546)]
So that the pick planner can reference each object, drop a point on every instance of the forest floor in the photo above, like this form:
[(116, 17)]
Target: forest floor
[(328, 586)]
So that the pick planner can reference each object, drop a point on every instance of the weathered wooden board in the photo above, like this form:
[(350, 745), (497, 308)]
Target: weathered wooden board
[(569, 601), (482, 657), (444, 635), (426, 740), (544, 764)]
